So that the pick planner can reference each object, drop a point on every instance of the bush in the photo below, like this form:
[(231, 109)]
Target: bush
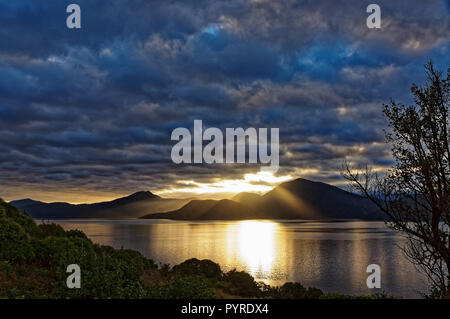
[(9, 211), (76, 233), (107, 274), (183, 288), (113, 275), (336, 295), (195, 267), (50, 230), (242, 284), (294, 290), (14, 242)]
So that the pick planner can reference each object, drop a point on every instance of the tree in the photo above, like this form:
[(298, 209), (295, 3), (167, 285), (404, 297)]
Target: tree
[(414, 193)]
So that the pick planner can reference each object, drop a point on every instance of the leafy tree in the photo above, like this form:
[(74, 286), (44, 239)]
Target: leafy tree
[(14, 242), (195, 267), (191, 287), (294, 290), (415, 193), (242, 284)]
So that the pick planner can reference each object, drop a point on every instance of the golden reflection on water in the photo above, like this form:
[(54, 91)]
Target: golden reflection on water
[(256, 242), (330, 255)]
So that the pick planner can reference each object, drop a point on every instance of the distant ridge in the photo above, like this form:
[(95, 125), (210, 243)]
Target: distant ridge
[(296, 199), (192, 210), (133, 198), (224, 209), (305, 199), (247, 198), (132, 206), (25, 202)]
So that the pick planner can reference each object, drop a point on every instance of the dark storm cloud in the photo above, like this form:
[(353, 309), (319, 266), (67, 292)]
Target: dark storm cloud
[(94, 108)]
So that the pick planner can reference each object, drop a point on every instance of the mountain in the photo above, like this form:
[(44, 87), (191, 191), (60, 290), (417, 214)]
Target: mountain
[(305, 199), (132, 206), (224, 209), (297, 199), (25, 202), (247, 198), (192, 210)]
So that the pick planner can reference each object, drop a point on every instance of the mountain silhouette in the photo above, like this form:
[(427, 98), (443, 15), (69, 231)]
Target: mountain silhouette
[(224, 209), (247, 198), (132, 206), (25, 202), (192, 210), (297, 199), (305, 199)]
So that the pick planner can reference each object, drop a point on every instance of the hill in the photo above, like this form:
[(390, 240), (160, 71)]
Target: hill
[(247, 198), (132, 206), (224, 209), (297, 199), (305, 199)]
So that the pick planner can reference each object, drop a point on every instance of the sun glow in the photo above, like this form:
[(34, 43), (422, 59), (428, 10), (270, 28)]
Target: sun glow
[(231, 186), (257, 245)]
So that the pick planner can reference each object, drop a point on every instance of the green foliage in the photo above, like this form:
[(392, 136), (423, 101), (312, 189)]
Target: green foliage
[(335, 295), (107, 273), (183, 288), (294, 290), (25, 280), (195, 267), (242, 284), (50, 230), (46, 230), (11, 212), (76, 233), (14, 242), (113, 275), (48, 250)]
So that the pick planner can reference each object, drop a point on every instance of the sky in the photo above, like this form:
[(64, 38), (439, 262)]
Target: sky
[(87, 114)]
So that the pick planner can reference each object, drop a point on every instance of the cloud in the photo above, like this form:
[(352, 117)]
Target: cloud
[(92, 110)]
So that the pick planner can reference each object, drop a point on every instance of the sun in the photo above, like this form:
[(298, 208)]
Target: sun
[(258, 183)]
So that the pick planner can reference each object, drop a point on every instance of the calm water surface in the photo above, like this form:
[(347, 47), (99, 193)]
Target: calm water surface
[(332, 256)]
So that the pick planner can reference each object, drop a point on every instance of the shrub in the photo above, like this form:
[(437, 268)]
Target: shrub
[(294, 290), (9, 211), (76, 233), (14, 242), (50, 230), (242, 284), (195, 267), (183, 288)]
